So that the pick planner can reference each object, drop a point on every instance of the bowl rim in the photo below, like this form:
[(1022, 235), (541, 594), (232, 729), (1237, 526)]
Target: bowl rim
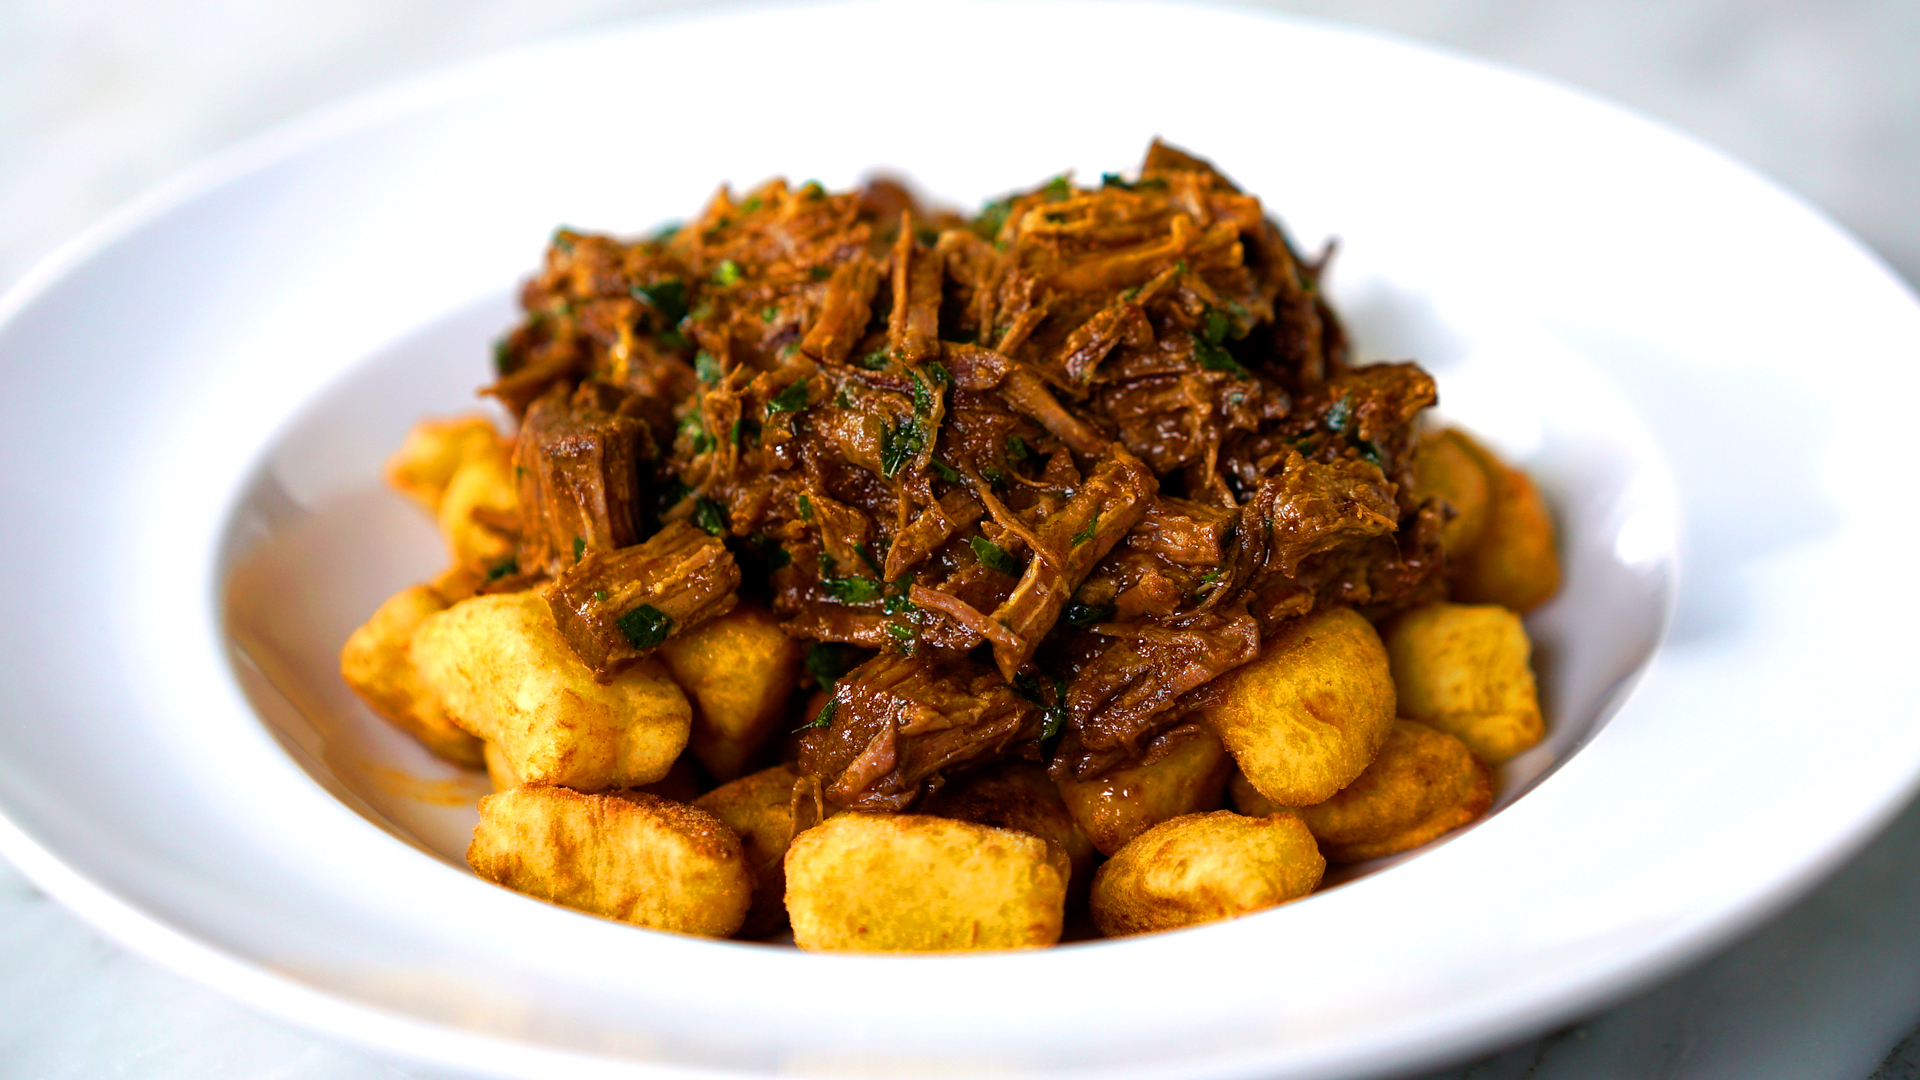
[(289, 997)]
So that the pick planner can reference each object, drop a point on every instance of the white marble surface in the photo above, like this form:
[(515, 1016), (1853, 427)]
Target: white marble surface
[(100, 99)]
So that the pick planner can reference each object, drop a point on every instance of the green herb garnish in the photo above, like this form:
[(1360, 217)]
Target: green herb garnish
[(993, 218), (828, 660), (1086, 534), (922, 397), (853, 590), (502, 569), (824, 718), (1214, 358), (994, 557), (1215, 326), (645, 626), (806, 507), (792, 399), (707, 368), (946, 472), (706, 514), (727, 273), (1058, 188), (900, 444), (877, 360), (579, 545), (1016, 448), (601, 595), (1081, 615), (668, 297)]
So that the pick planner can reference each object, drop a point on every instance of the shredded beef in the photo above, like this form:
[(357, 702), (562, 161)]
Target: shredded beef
[(1063, 463)]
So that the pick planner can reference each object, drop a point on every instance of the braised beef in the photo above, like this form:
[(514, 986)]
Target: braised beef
[(1113, 427), (614, 607)]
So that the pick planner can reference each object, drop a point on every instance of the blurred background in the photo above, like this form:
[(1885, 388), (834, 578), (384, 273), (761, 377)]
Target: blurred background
[(102, 99)]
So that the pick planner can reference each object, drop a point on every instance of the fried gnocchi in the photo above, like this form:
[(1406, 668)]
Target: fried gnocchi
[(503, 674), (625, 855), (1464, 669), (916, 883), (1310, 714), (1205, 867), (863, 567)]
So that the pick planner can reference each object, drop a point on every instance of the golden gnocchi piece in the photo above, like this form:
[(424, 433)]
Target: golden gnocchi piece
[(759, 807), (503, 673), (481, 490), (1244, 797), (1188, 771), (1204, 867), (625, 855), (1019, 795), (1464, 670), (1445, 468), (739, 669), (377, 663), (1423, 784), (1309, 714), (433, 451), (1514, 563), (916, 883)]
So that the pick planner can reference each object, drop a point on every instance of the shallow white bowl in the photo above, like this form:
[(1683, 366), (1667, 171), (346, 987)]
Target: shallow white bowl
[(200, 393)]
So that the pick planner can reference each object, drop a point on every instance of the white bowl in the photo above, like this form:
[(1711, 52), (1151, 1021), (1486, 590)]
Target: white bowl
[(200, 393)]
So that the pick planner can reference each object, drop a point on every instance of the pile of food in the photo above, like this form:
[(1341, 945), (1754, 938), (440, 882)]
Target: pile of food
[(921, 582)]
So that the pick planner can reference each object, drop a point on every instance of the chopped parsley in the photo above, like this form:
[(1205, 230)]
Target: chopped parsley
[(899, 598), (792, 399), (502, 356), (1081, 615), (824, 718), (727, 273), (900, 444), (946, 472), (806, 507), (819, 273), (922, 397), (706, 514), (1016, 448), (1086, 534), (993, 218), (579, 545), (899, 633), (601, 595), (668, 297), (502, 569), (768, 314), (693, 425), (876, 360), (828, 660), (994, 557), (1058, 188), (1214, 358), (645, 626), (852, 590), (707, 368)]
